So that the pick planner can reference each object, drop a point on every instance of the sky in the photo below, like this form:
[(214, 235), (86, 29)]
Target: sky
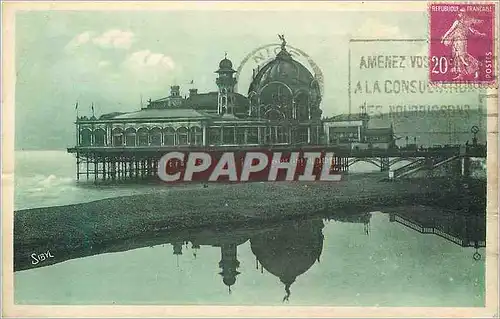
[(112, 59)]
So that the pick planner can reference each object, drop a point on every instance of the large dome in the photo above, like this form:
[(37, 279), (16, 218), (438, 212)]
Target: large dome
[(284, 88), (286, 70)]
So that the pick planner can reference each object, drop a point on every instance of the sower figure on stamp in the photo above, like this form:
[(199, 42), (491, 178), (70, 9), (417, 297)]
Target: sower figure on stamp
[(463, 63)]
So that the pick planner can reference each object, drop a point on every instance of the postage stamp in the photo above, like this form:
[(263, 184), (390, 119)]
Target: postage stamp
[(462, 43), (248, 159)]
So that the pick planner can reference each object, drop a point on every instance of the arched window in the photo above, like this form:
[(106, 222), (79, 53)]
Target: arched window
[(274, 114), (169, 136), (254, 104), (254, 99), (302, 105), (228, 135), (253, 135), (117, 136), (85, 137), (143, 136), (214, 137), (302, 135), (100, 137), (240, 135), (282, 134), (277, 94), (130, 137), (182, 134), (196, 136), (314, 135), (155, 134)]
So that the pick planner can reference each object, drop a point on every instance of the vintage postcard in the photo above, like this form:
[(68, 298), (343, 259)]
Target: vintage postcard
[(250, 159)]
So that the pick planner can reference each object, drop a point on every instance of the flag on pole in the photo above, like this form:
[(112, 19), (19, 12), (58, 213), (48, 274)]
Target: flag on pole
[(76, 110), (192, 82), (92, 108)]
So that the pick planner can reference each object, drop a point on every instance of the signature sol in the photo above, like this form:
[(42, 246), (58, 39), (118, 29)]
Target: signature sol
[(37, 258)]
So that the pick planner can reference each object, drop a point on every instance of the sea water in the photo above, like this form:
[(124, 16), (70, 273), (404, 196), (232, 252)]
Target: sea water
[(381, 263)]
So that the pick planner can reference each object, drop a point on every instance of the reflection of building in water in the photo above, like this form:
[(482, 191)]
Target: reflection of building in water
[(229, 256), (466, 230), (177, 247), (228, 241), (286, 251), (289, 251), (229, 264), (363, 218)]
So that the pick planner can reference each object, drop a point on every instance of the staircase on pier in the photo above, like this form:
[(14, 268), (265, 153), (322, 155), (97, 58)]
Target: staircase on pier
[(421, 164)]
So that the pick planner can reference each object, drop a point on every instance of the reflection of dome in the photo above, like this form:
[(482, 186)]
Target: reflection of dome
[(229, 281), (289, 251)]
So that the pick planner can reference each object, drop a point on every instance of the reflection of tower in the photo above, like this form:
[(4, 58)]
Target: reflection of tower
[(366, 227), (195, 247), (289, 251), (177, 250), (226, 83), (229, 263)]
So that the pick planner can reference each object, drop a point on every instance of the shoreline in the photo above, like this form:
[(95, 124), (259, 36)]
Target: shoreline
[(89, 228)]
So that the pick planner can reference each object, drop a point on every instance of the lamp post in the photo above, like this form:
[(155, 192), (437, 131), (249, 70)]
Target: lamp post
[(474, 130)]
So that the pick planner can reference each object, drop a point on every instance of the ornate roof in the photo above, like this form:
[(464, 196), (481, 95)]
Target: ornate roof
[(225, 65), (284, 69)]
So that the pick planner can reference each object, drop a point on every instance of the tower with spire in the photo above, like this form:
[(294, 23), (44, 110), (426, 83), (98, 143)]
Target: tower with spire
[(177, 247), (226, 83)]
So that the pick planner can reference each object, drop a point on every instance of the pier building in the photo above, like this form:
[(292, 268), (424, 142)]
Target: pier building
[(282, 108), (281, 112)]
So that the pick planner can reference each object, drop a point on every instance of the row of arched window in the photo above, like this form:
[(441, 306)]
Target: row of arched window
[(234, 135), (142, 137)]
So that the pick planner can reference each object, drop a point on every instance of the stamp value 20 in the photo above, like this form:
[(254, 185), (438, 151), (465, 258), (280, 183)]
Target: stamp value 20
[(462, 43)]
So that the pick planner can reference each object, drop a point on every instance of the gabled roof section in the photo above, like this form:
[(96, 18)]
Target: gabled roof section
[(208, 101), (379, 131), (349, 117)]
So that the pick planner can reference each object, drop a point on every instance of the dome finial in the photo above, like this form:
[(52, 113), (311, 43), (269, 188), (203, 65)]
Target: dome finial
[(225, 55), (283, 41)]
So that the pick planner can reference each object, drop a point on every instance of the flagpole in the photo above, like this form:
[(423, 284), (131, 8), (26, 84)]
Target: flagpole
[(76, 132)]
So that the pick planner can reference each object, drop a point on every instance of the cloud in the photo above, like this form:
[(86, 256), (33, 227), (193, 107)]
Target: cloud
[(146, 59), (115, 39), (78, 41), (103, 64), (150, 67), (374, 29)]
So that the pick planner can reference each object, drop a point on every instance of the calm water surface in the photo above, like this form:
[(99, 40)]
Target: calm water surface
[(361, 260), (366, 261)]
